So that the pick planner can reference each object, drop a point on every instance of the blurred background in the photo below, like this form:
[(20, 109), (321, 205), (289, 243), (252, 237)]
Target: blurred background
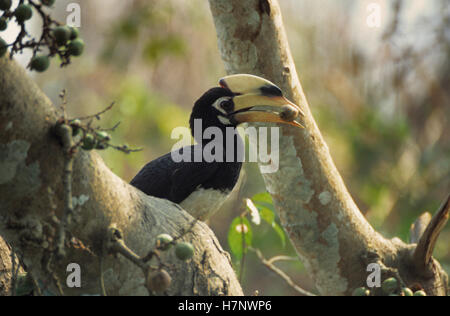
[(380, 96)]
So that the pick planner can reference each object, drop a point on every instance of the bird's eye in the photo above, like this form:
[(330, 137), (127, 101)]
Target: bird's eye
[(227, 105)]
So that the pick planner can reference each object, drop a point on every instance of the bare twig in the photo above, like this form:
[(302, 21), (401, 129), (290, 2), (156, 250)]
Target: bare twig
[(36, 286), (93, 131), (62, 96), (15, 272), (280, 273), (110, 129), (116, 244), (47, 264), (124, 148), (102, 279), (97, 115), (244, 251), (281, 258), (65, 133)]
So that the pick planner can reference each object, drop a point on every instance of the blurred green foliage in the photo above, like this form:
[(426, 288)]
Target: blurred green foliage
[(158, 48), (148, 24), (146, 120)]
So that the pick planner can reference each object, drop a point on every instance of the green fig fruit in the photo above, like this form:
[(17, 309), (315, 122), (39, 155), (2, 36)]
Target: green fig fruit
[(23, 13), (389, 286), (3, 23), (361, 291), (74, 33), (5, 4), (184, 250), (3, 47), (407, 291), (40, 63), (164, 242), (61, 34), (76, 127), (76, 47), (102, 135), (88, 142)]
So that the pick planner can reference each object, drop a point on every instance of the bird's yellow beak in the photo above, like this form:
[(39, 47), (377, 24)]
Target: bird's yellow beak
[(259, 100)]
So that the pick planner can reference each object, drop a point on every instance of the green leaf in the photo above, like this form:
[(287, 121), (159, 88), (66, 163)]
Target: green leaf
[(266, 213), (239, 236), (263, 201), (280, 233), (263, 198)]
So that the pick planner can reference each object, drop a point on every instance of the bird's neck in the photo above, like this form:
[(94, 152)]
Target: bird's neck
[(221, 141)]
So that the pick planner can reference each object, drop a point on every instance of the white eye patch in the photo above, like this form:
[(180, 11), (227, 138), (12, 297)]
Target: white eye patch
[(217, 106)]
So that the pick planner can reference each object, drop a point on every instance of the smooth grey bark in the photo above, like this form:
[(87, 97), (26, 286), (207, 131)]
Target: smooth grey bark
[(331, 236), (31, 204)]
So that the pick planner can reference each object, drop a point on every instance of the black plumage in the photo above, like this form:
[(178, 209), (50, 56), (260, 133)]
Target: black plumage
[(175, 181)]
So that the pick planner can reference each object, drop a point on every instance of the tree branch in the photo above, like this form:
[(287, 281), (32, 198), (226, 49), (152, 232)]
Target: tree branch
[(269, 264), (329, 232)]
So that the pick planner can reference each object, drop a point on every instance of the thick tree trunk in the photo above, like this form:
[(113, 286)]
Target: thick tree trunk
[(331, 236), (31, 195)]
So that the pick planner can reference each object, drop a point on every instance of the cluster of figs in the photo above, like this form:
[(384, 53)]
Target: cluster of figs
[(389, 287), (65, 38)]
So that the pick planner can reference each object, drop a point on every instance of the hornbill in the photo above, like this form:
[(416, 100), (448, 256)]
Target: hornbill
[(200, 185)]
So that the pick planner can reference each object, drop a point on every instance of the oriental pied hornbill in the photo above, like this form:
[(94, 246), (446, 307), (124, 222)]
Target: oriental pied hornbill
[(200, 185)]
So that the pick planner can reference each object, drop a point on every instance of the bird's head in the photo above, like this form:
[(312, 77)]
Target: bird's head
[(244, 98)]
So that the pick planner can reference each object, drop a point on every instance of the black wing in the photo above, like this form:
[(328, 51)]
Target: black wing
[(175, 181)]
